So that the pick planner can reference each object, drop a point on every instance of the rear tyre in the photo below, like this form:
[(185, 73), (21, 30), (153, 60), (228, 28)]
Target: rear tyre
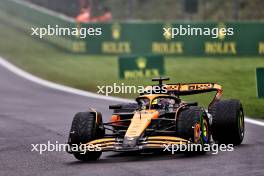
[(228, 122), (193, 125), (84, 129)]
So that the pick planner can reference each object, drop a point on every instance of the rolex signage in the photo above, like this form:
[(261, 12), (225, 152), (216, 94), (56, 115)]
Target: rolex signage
[(138, 38), (116, 44), (220, 46), (143, 38), (141, 66), (116, 31)]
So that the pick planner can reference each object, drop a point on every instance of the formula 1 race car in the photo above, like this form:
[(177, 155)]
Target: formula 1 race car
[(159, 117)]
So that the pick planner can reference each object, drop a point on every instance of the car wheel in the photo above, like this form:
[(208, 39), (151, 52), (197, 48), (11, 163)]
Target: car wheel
[(84, 129), (193, 125), (228, 122)]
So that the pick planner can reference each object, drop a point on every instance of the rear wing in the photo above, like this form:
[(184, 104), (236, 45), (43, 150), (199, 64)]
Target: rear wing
[(180, 89), (195, 88), (192, 88), (186, 88)]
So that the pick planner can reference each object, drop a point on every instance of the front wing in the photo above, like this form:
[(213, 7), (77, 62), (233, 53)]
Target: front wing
[(151, 142)]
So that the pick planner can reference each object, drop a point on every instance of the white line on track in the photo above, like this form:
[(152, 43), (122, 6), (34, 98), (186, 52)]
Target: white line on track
[(71, 90), (255, 122), (56, 86)]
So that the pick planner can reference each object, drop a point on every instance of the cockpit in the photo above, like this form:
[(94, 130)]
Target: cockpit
[(158, 102)]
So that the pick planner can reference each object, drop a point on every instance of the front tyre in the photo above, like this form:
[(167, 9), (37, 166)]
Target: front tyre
[(193, 125), (85, 127)]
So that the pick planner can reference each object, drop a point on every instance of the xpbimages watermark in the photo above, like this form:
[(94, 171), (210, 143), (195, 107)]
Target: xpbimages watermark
[(65, 31), (183, 30), (189, 147), (59, 147), (127, 89)]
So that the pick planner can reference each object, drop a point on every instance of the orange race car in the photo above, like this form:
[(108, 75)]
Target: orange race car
[(158, 118)]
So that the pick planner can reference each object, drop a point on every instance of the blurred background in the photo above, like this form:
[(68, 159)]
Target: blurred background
[(136, 25), (163, 10)]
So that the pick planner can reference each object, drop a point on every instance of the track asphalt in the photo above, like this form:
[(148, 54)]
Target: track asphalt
[(31, 114)]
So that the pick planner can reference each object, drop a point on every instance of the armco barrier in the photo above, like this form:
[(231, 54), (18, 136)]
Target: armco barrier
[(145, 37)]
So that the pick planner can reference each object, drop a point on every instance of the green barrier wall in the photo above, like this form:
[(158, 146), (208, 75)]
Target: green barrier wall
[(260, 82), (139, 38), (146, 37)]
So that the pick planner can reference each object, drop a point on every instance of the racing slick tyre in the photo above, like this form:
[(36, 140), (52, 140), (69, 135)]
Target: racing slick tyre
[(193, 125), (228, 122), (85, 128)]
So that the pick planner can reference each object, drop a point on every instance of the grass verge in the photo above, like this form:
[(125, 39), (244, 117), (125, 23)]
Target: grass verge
[(237, 75)]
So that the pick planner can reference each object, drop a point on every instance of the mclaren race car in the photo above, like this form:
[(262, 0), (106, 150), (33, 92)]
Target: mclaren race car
[(159, 118)]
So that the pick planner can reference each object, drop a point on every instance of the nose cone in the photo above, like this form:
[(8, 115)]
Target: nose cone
[(140, 122), (130, 142)]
